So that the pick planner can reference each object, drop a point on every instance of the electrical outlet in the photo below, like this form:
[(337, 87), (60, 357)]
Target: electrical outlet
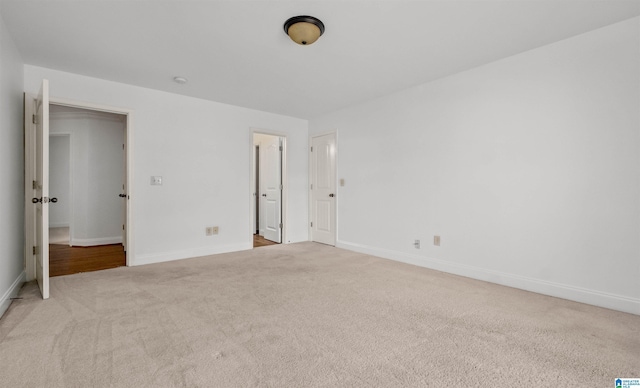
[(436, 241), (417, 244), (208, 231), (214, 230)]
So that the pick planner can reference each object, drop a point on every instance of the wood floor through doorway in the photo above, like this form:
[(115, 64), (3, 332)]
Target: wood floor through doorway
[(259, 241), (66, 260)]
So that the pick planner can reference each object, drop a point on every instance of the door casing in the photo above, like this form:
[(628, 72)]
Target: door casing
[(29, 171), (283, 167)]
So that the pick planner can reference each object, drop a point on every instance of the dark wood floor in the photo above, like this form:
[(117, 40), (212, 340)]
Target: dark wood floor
[(66, 260), (259, 241)]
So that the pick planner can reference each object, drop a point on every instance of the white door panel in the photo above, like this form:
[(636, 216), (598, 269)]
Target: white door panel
[(272, 198), (323, 189), (42, 189), (323, 216), (262, 192), (272, 223)]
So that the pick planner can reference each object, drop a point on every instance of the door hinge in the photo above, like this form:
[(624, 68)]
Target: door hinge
[(34, 118), (281, 188), (280, 148), (311, 149), (312, 224), (35, 185), (122, 226), (312, 186), (123, 146), (35, 250), (281, 225)]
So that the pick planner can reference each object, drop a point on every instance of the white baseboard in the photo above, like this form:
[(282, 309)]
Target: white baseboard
[(577, 294), (152, 258), (90, 242), (12, 292)]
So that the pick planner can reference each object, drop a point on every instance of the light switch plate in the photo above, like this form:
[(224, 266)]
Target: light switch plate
[(156, 181)]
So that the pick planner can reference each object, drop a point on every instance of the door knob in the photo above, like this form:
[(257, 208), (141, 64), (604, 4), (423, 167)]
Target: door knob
[(44, 200), (264, 195), (122, 195), (332, 195)]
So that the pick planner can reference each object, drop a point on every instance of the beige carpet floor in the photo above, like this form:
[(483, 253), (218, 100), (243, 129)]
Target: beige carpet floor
[(306, 315)]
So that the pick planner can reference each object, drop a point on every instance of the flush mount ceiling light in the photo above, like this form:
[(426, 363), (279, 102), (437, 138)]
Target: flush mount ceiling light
[(304, 30)]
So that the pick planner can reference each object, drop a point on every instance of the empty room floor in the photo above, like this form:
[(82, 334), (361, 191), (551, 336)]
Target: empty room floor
[(307, 315)]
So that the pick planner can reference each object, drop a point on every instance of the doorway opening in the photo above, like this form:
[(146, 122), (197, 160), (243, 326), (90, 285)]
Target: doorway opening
[(268, 189), (87, 177)]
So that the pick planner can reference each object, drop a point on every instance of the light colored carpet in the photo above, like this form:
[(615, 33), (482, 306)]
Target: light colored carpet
[(306, 315)]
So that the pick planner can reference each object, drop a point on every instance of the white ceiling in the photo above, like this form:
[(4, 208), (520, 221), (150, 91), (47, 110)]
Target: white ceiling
[(236, 52)]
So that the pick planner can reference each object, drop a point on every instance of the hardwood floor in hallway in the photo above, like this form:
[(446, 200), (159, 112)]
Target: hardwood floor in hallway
[(259, 241), (66, 260)]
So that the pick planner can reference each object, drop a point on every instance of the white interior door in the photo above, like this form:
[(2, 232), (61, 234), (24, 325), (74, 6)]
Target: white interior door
[(125, 197), (256, 189), (323, 189), (262, 196), (272, 203), (41, 186)]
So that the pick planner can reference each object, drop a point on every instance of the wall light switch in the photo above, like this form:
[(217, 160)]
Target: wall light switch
[(436, 240), (156, 181), (341, 181)]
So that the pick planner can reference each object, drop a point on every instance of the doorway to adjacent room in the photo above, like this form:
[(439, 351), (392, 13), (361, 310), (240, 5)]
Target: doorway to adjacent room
[(268, 189)]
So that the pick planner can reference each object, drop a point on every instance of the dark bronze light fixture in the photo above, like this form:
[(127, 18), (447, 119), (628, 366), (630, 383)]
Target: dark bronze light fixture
[(304, 30)]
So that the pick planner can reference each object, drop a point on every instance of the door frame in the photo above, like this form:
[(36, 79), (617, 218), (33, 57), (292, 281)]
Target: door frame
[(311, 172), (285, 181), (29, 171)]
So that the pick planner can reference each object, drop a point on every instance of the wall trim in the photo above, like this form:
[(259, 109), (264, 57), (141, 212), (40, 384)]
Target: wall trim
[(559, 290), (12, 292), (89, 242), (152, 258)]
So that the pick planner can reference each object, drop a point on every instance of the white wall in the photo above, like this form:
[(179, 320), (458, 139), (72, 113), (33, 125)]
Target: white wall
[(528, 168), (11, 170), (97, 174), (203, 151), (59, 180)]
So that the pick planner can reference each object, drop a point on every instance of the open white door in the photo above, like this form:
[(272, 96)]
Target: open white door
[(41, 187), (125, 197), (272, 203), (323, 189)]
